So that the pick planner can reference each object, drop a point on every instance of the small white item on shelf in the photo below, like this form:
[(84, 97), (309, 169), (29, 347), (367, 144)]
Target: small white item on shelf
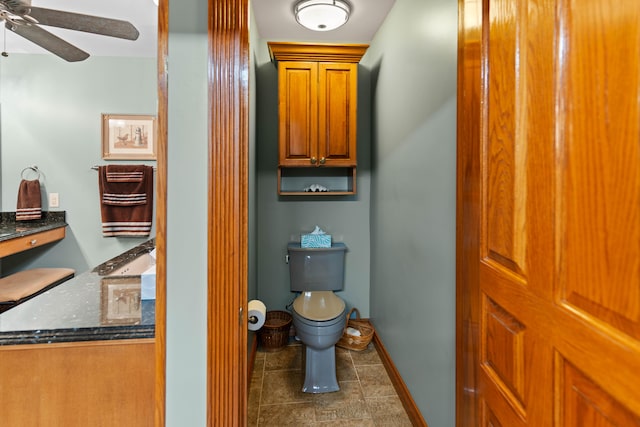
[(316, 188)]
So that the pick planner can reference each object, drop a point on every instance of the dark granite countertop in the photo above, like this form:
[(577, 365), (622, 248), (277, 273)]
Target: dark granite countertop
[(11, 229), (84, 308)]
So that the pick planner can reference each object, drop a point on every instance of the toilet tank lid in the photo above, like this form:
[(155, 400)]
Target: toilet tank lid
[(336, 246)]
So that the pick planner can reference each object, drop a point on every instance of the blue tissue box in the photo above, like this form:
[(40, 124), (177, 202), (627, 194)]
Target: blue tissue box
[(315, 241)]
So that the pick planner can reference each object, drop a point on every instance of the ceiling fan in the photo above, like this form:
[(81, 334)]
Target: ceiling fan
[(25, 20)]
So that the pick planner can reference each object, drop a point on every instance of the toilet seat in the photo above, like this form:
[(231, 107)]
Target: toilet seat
[(319, 305)]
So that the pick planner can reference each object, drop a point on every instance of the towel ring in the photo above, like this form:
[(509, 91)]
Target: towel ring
[(33, 168)]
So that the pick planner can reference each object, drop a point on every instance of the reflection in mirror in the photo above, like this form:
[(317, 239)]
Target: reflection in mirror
[(50, 116), (51, 113)]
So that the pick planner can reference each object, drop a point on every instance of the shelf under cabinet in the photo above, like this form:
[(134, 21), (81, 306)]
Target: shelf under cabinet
[(339, 181)]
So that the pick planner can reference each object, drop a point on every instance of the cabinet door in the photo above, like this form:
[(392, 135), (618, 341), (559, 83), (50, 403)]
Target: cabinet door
[(337, 113), (298, 112)]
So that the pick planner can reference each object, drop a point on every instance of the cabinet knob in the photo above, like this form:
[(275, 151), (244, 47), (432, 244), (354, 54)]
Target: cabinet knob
[(313, 160), (322, 161)]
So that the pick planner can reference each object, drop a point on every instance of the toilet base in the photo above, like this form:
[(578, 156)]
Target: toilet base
[(320, 371)]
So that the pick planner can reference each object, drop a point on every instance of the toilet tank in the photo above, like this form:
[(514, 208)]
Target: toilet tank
[(316, 269)]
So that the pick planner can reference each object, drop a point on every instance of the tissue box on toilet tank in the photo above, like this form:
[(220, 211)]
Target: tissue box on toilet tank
[(315, 241)]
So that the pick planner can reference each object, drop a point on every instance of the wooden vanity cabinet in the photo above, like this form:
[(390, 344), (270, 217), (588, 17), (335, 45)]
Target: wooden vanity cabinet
[(19, 244), (78, 384), (317, 105)]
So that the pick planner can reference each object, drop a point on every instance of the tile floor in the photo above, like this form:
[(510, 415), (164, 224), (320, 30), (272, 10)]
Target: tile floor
[(366, 398)]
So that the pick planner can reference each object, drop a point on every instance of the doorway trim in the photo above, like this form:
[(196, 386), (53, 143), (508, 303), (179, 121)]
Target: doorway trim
[(228, 212), (161, 215), (468, 210), (227, 217)]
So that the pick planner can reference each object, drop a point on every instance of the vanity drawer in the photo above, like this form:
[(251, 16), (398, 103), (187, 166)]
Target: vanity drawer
[(19, 244)]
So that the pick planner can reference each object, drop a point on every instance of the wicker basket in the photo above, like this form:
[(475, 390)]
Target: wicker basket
[(354, 342), (274, 334)]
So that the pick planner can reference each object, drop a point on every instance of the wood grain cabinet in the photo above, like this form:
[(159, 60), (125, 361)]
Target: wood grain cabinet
[(317, 110), (19, 244), (78, 384)]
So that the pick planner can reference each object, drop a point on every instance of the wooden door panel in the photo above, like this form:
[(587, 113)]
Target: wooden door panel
[(503, 351), (599, 237), (508, 417), (505, 337), (554, 279), (490, 419), (504, 208), (584, 403)]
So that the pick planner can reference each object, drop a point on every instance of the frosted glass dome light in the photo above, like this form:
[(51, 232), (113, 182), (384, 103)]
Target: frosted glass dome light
[(322, 15)]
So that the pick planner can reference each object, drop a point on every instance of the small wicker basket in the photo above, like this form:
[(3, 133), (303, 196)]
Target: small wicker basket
[(274, 334), (354, 342)]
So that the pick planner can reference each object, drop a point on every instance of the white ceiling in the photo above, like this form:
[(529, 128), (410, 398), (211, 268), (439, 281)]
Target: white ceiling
[(274, 19), (276, 22)]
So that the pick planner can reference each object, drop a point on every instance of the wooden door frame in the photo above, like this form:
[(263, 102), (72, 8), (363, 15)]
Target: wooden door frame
[(468, 213), (161, 214), (228, 212)]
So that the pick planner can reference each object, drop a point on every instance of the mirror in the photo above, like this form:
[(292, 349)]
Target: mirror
[(49, 112), (51, 117)]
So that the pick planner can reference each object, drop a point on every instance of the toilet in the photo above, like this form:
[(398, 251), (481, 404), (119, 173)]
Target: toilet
[(319, 315)]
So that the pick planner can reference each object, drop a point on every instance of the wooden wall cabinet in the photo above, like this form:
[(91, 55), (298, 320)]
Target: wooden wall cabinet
[(317, 108)]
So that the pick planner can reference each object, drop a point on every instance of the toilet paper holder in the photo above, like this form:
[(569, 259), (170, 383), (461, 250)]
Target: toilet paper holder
[(256, 315), (252, 319)]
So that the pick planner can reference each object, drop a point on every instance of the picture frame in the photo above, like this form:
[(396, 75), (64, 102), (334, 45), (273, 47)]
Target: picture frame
[(121, 302), (129, 137)]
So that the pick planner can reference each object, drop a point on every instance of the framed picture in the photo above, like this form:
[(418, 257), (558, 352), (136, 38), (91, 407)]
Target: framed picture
[(121, 302), (128, 137)]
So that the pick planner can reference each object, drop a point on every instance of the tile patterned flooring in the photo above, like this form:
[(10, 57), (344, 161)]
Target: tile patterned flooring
[(366, 398)]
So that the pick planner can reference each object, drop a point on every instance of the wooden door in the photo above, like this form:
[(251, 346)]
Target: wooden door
[(337, 113), (549, 213), (298, 113)]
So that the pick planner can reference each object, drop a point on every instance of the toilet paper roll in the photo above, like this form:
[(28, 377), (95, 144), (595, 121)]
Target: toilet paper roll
[(257, 314)]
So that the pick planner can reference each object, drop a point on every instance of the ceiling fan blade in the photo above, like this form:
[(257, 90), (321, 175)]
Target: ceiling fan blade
[(87, 23), (48, 41)]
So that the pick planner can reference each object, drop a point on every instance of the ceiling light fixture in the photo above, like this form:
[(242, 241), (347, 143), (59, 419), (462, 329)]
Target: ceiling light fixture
[(322, 15)]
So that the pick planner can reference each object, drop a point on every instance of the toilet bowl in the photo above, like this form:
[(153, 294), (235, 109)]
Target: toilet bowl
[(319, 334), (319, 315)]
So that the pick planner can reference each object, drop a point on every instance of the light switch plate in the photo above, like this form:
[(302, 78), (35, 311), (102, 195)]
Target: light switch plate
[(54, 200)]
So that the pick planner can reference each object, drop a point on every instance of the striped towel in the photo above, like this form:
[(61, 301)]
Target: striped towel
[(124, 175), (124, 185), (126, 200), (29, 200)]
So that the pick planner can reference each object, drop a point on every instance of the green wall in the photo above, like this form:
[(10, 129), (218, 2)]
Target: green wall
[(412, 61), (51, 117), (281, 219), (187, 209), (252, 281), (400, 228)]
